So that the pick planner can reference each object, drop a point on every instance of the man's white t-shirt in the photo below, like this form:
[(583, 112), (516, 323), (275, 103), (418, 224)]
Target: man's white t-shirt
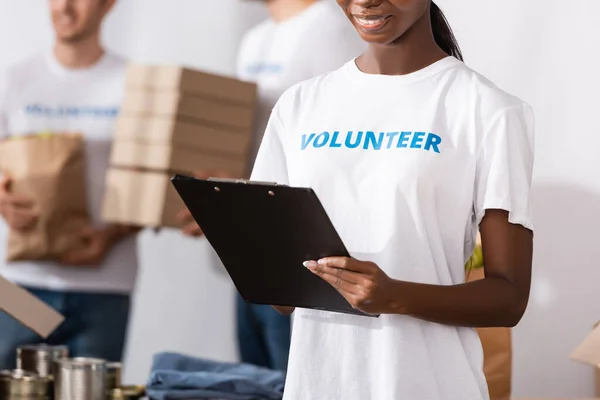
[(40, 95), (405, 166), (277, 55)]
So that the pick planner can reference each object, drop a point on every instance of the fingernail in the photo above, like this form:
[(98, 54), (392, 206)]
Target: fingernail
[(321, 261), (309, 264)]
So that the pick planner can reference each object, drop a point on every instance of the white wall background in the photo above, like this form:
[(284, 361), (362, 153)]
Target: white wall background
[(545, 51)]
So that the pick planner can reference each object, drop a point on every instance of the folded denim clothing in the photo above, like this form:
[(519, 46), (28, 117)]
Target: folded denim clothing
[(179, 377)]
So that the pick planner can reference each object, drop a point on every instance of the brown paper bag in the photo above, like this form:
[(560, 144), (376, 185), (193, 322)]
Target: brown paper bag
[(497, 353), (50, 169)]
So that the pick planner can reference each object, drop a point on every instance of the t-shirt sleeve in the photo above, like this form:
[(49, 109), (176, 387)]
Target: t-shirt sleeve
[(505, 165), (270, 164)]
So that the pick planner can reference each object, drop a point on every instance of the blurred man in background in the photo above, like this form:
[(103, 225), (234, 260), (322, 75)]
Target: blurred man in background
[(76, 87), (301, 40)]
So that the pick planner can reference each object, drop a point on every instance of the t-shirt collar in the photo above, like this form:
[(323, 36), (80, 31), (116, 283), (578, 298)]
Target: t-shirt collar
[(62, 70), (355, 73)]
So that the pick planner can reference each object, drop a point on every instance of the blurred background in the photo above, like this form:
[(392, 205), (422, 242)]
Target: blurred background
[(544, 51)]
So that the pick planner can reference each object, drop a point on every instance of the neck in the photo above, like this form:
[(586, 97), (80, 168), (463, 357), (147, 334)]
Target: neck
[(282, 10), (414, 50), (79, 54)]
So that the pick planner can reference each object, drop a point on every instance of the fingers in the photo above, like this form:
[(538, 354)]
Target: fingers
[(347, 263), (87, 232), (192, 229), (345, 282), (20, 219), (79, 257), (336, 273), (16, 200), (184, 216), (91, 255), (13, 199), (19, 200), (342, 286)]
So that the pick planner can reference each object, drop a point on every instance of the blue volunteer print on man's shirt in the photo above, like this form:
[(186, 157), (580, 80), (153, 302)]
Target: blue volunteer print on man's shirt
[(264, 68), (369, 140), (42, 110)]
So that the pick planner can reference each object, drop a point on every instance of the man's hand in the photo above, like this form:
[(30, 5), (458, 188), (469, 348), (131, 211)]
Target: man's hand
[(190, 227), (98, 242), (17, 210)]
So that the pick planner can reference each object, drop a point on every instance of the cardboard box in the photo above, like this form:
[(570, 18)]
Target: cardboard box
[(140, 198), (497, 352), (160, 157), (177, 132), (174, 104), (588, 352), (28, 309), (189, 81)]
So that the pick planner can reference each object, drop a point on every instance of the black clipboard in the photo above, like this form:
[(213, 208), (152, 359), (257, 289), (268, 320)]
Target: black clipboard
[(263, 232)]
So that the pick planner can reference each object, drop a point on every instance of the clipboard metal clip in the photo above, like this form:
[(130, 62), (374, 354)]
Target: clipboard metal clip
[(243, 181)]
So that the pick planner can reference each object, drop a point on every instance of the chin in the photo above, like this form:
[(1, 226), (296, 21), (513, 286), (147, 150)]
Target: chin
[(381, 39), (69, 37)]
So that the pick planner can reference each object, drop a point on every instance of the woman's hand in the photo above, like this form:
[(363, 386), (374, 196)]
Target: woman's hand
[(363, 284)]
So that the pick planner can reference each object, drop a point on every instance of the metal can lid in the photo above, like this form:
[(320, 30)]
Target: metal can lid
[(43, 347), (114, 366), (21, 375), (83, 363)]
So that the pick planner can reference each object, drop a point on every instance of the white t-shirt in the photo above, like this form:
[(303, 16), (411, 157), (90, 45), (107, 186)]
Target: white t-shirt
[(38, 95), (277, 55), (405, 167)]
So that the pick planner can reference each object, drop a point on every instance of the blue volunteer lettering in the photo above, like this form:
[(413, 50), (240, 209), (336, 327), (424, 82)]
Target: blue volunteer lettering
[(369, 140), (71, 111), (256, 69)]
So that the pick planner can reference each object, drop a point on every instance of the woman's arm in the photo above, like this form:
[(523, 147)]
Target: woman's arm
[(498, 300)]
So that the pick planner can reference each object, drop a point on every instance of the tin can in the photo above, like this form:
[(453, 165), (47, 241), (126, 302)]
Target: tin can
[(40, 358), (113, 375), (23, 385), (80, 379)]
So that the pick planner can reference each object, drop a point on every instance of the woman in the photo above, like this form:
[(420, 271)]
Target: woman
[(410, 152)]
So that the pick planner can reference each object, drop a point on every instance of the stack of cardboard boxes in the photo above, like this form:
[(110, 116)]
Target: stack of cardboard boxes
[(174, 120)]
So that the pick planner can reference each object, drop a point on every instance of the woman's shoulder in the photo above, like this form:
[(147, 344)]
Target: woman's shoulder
[(484, 94)]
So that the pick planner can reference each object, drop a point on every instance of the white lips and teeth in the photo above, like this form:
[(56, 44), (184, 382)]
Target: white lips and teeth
[(370, 20)]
